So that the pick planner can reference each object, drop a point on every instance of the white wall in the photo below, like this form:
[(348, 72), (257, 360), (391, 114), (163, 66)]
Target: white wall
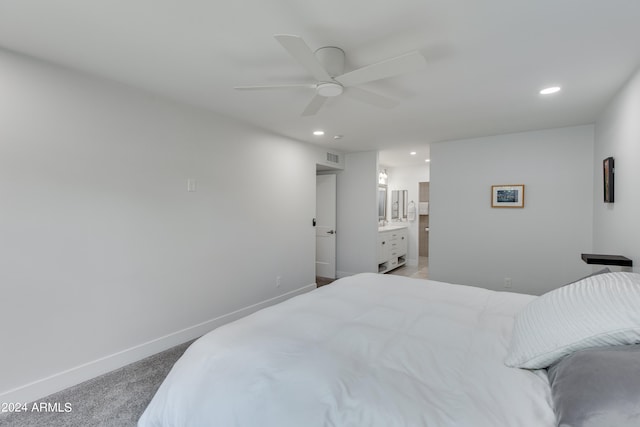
[(538, 246), (408, 178), (357, 214), (104, 255), (616, 228)]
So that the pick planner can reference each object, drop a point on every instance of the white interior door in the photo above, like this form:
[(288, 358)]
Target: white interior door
[(326, 226)]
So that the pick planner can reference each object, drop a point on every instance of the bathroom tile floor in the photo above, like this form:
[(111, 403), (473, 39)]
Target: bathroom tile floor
[(416, 271)]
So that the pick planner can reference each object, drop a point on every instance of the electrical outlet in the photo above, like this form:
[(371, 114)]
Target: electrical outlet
[(278, 281), (507, 282)]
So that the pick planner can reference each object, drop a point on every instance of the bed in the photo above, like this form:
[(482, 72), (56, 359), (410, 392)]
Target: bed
[(367, 350)]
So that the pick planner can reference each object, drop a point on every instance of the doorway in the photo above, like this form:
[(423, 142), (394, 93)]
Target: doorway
[(325, 227), (423, 232)]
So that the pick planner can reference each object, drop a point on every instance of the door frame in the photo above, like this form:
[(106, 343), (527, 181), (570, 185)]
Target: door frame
[(333, 231)]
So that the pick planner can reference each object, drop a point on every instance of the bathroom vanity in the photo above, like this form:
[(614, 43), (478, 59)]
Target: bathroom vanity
[(392, 247)]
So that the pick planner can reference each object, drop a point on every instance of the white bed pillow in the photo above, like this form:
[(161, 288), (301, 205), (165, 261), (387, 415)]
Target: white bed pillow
[(597, 311)]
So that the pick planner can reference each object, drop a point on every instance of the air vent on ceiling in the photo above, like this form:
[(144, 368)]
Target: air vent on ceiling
[(333, 158)]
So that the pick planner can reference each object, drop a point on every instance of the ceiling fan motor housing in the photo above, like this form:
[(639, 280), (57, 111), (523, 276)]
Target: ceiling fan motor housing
[(332, 59)]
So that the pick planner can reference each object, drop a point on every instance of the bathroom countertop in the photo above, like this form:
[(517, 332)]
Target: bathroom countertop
[(392, 227)]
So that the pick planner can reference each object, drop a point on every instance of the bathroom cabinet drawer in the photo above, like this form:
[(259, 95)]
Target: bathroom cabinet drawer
[(392, 249)]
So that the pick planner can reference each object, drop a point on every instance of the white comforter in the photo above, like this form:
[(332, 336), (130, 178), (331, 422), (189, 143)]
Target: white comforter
[(368, 350)]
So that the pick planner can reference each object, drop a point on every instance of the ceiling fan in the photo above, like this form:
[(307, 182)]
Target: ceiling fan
[(326, 65)]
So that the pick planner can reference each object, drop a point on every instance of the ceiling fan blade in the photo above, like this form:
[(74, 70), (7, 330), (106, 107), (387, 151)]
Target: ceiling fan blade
[(370, 98), (296, 46), (283, 86), (390, 67), (314, 106)]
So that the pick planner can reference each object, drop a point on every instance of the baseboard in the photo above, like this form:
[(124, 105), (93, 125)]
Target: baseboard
[(61, 380), (412, 262)]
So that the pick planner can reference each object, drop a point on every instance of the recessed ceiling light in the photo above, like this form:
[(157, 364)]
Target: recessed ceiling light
[(338, 136), (427, 160), (413, 153), (318, 132), (550, 90)]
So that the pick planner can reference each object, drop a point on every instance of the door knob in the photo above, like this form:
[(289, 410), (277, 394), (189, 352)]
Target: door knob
[(330, 232)]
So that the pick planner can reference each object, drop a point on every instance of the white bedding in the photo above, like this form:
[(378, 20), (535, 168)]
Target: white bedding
[(367, 350)]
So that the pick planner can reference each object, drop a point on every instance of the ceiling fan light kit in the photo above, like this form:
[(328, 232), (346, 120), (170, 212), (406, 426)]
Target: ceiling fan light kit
[(329, 89), (326, 65)]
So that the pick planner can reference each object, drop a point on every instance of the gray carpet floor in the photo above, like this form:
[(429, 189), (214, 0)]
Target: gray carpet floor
[(116, 399)]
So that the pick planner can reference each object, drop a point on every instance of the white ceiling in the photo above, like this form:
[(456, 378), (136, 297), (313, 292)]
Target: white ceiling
[(486, 60)]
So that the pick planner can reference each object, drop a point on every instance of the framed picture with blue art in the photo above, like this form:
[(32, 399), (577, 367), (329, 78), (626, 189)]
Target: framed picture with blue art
[(507, 196)]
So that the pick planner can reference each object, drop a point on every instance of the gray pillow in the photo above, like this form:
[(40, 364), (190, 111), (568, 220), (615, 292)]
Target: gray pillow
[(597, 387)]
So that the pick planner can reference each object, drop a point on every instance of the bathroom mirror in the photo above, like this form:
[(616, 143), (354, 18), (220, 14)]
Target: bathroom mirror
[(382, 202), (399, 204)]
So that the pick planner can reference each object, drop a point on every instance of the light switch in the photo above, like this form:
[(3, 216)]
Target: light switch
[(191, 185)]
